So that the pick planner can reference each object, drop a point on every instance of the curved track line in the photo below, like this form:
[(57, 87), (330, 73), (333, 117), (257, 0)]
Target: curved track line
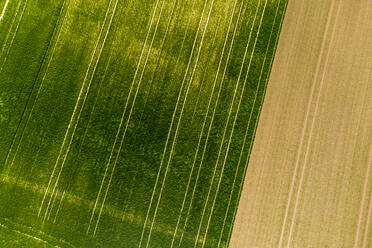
[(28, 235)]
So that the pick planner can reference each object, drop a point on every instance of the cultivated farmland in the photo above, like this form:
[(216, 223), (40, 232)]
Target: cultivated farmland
[(308, 182), (129, 123)]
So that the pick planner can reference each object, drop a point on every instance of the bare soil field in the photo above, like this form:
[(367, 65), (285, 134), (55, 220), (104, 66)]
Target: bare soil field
[(308, 182)]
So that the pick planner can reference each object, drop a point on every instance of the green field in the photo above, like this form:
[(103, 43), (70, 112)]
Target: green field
[(129, 123)]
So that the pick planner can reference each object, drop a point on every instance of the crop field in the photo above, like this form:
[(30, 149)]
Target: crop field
[(129, 123), (309, 179)]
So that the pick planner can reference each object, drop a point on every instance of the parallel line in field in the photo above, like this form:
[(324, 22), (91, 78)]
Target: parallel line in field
[(362, 205), (52, 175), (305, 124), (249, 121), (123, 114), (245, 166), (231, 45), (73, 200), (10, 28), (259, 175), (86, 95), (130, 113), (97, 160), (98, 95), (354, 147), (228, 120), (212, 119), (170, 19), (303, 87), (84, 100), (101, 82), (13, 225), (54, 200), (168, 30), (232, 130), (122, 118), (303, 130), (81, 109), (110, 168), (14, 35), (204, 73), (184, 38), (171, 125), (55, 28), (178, 122), (75, 110), (131, 192), (94, 106), (157, 62), (59, 206), (236, 115), (200, 137), (288, 134), (365, 188), (312, 127)]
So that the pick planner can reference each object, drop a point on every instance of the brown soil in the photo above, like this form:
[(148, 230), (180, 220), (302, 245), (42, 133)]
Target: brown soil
[(309, 182)]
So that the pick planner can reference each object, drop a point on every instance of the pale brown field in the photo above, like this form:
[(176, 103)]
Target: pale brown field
[(309, 179)]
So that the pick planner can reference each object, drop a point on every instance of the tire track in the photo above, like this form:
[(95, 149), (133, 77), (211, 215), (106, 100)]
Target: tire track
[(14, 35), (4, 8), (172, 122), (122, 117), (312, 125), (249, 121), (129, 117), (75, 110), (29, 98), (228, 119), (305, 125)]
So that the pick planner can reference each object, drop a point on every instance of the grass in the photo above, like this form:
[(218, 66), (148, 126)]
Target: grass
[(99, 108)]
